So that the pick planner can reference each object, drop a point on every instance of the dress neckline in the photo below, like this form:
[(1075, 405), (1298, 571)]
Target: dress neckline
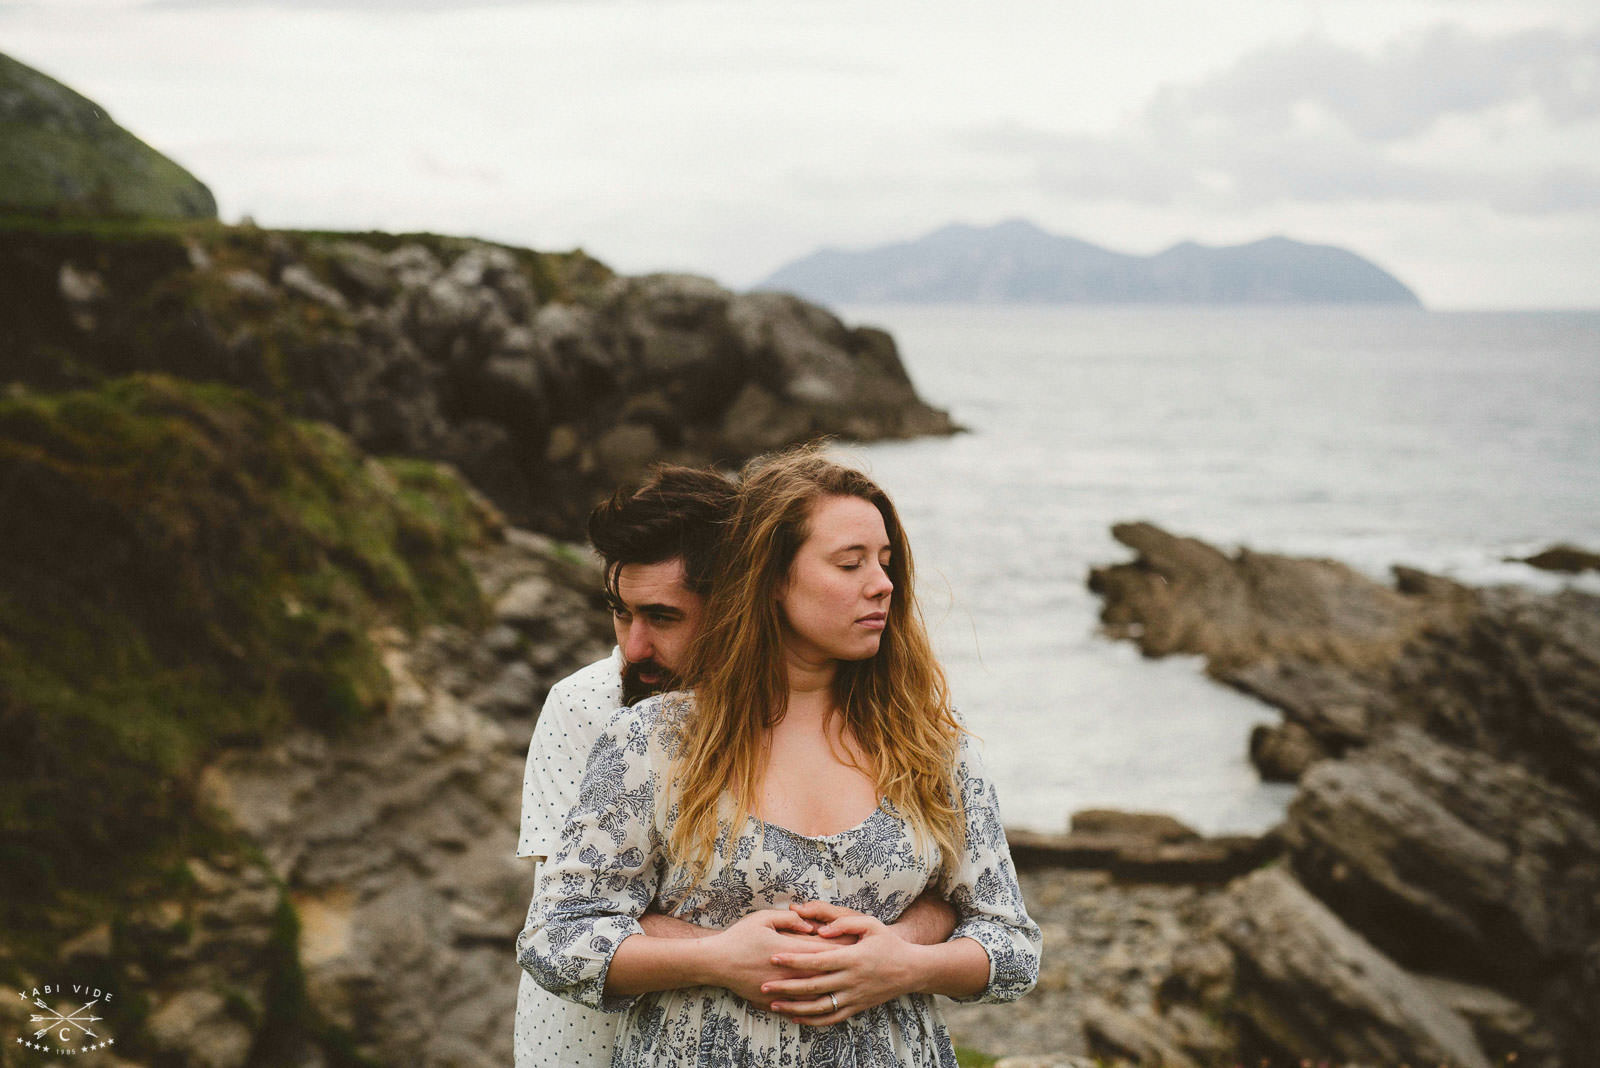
[(883, 807)]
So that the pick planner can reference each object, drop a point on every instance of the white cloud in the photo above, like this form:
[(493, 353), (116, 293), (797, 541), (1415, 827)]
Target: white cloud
[(1509, 122)]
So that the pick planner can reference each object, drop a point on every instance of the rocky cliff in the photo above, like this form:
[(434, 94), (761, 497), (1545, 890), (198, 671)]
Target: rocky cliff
[(546, 379), (268, 668), (1441, 897)]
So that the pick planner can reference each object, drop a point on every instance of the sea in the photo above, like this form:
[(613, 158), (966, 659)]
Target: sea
[(1449, 441)]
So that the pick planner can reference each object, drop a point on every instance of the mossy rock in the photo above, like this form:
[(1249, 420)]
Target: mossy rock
[(184, 568), (64, 156)]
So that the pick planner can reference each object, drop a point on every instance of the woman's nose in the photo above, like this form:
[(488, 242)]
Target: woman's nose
[(881, 585)]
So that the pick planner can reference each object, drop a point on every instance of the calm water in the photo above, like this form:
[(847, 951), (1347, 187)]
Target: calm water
[(1373, 436)]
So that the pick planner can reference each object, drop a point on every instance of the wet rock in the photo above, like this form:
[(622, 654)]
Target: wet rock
[(1447, 741), (1565, 558), (1143, 848), (1282, 753)]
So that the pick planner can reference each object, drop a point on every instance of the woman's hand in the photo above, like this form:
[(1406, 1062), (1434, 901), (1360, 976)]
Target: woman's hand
[(878, 967), (745, 953)]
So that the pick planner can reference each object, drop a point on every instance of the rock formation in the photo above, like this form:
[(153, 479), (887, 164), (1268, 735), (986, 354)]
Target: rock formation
[(1441, 902), (546, 379)]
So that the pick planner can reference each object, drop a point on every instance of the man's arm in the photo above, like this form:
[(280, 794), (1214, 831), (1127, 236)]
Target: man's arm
[(660, 925), (927, 921)]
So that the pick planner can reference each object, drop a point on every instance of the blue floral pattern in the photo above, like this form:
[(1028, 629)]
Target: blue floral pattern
[(612, 866)]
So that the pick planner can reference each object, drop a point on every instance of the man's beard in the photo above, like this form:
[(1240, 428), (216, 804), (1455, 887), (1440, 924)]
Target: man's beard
[(635, 689)]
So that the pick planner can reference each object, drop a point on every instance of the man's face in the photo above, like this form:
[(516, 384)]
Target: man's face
[(656, 617)]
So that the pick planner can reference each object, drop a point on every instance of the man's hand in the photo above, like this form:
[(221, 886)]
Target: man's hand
[(879, 966)]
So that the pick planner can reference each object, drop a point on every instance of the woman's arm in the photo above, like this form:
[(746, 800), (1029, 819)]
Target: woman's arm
[(992, 954)]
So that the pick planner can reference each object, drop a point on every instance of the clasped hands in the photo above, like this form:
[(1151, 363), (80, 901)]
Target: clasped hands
[(816, 963)]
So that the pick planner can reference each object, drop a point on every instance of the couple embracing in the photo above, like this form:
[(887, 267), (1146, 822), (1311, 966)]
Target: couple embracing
[(779, 858)]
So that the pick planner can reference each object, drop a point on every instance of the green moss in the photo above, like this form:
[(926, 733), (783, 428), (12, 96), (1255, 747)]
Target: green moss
[(64, 155), (182, 568), (971, 1058)]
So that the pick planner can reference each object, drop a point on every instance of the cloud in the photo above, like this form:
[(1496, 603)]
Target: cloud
[(1442, 117), (1407, 88), (349, 5)]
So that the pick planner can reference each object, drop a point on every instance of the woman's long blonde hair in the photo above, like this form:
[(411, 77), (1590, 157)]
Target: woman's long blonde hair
[(896, 704)]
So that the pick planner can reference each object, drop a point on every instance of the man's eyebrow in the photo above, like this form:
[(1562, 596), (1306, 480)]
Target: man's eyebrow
[(658, 608)]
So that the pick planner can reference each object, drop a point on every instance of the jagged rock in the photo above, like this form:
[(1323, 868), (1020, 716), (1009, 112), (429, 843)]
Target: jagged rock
[(195, 1026), (1508, 1030), (298, 279), (397, 842), (1142, 857), (1446, 856), (1311, 987), (1149, 826), (546, 380), (93, 944), (1282, 753), (1567, 558), (1452, 821), (1186, 596), (256, 291), (1118, 1035)]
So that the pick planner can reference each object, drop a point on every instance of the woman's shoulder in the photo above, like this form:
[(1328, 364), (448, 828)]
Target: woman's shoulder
[(969, 748), (656, 723)]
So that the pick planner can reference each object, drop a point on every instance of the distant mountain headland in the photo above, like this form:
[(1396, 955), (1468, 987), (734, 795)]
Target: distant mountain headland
[(65, 157), (1016, 262)]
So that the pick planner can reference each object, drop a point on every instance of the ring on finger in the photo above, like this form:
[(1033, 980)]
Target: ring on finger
[(835, 1002)]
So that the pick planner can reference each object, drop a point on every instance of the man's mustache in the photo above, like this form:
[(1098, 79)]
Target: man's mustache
[(635, 688)]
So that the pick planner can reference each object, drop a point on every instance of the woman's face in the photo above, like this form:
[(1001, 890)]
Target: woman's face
[(835, 602)]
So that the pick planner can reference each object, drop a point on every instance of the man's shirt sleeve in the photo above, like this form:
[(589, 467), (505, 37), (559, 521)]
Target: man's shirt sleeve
[(575, 712)]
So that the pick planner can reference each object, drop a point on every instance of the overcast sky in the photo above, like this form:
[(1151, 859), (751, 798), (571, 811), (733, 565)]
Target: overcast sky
[(1456, 142)]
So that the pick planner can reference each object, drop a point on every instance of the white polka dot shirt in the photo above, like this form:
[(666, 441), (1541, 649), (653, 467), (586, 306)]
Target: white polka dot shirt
[(551, 1032)]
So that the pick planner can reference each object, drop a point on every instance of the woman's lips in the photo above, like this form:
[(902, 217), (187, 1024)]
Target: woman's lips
[(874, 620)]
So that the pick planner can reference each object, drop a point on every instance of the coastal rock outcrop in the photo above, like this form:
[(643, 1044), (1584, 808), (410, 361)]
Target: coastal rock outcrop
[(1447, 744), (267, 701), (396, 845), (545, 378), (1142, 847)]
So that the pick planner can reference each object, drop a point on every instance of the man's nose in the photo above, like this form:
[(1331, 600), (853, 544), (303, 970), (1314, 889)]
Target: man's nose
[(638, 647)]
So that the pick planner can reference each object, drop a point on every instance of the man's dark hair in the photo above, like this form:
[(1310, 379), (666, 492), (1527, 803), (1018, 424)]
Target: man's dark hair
[(678, 511)]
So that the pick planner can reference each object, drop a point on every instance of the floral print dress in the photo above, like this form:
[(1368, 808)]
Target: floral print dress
[(612, 866)]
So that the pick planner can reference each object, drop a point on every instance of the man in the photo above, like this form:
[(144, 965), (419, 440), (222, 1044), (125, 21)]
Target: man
[(659, 547)]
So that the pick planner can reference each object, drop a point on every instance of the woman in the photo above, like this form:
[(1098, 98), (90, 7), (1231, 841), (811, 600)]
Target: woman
[(817, 760)]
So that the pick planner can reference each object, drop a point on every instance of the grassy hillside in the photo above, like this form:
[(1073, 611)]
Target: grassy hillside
[(65, 156), (183, 568)]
